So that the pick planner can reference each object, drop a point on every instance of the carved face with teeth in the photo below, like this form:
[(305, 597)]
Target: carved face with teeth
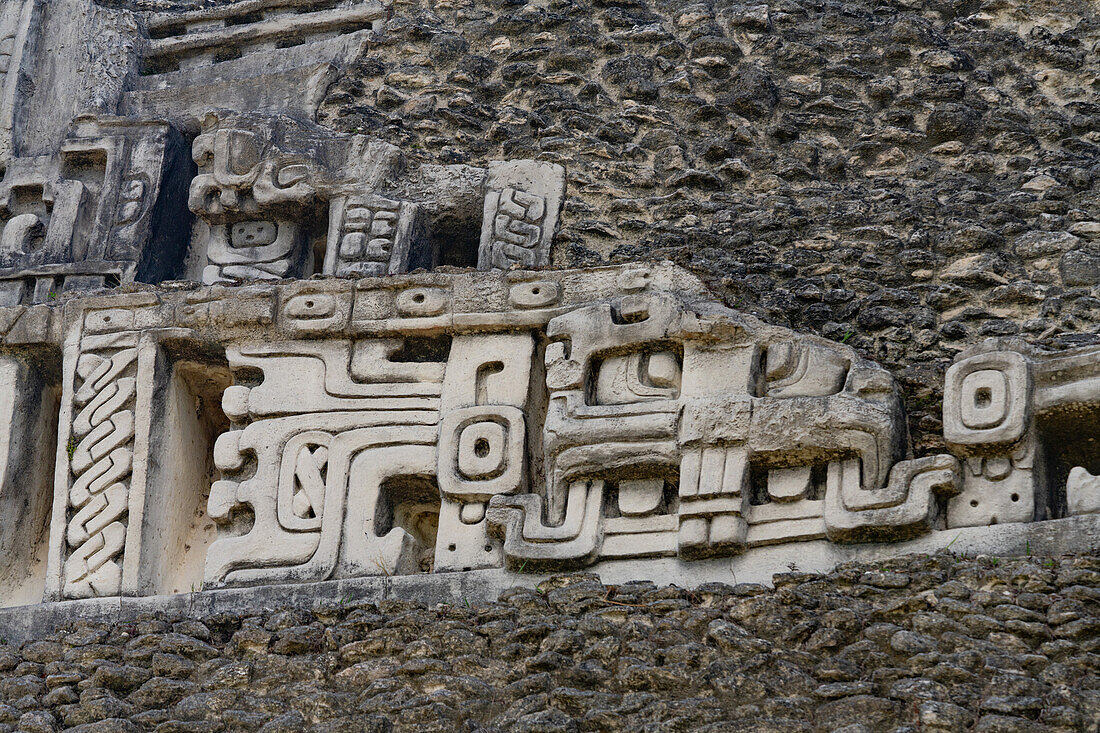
[(259, 181)]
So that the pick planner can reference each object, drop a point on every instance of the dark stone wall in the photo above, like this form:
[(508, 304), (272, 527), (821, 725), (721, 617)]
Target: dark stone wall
[(921, 643)]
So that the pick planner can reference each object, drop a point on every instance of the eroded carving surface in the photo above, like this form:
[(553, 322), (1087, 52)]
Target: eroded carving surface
[(303, 409), (521, 214), (95, 169), (1021, 421), (443, 422), (101, 463)]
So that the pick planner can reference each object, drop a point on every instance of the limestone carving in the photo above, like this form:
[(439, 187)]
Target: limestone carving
[(436, 422), (94, 164), (96, 227), (325, 361), (1020, 421), (101, 463), (258, 183), (323, 454), (280, 197), (522, 202)]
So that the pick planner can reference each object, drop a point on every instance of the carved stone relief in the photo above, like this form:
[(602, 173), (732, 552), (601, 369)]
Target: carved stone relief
[(275, 195), (312, 430), (88, 217), (446, 422), (522, 202), (278, 197), (301, 408), (257, 192), (1021, 421)]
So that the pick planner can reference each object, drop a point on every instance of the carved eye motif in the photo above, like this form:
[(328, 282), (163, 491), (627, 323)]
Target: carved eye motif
[(422, 302), (313, 305), (984, 399), (538, 294), (481, 452)]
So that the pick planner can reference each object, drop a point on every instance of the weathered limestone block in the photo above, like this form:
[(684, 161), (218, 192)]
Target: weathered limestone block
[(28, 429), (248, 56), (302, 431), (907, 506), (122, 435), (110, 208), (1020, 420), (522, 202), (1082, 492)]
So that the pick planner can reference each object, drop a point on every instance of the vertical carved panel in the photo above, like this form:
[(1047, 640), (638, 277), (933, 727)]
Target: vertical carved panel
[(987, 417), (101, 462), (522, 203), (482, 442), (372, 235)]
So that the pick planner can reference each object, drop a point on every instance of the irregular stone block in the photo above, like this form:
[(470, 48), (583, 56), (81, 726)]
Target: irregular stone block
[(1082, 492)]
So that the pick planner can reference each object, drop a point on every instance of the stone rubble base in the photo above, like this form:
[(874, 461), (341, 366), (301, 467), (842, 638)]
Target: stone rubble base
[(1045, 539)]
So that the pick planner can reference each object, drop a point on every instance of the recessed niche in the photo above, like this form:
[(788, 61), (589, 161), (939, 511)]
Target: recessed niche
[(176, 528), (29, 405)]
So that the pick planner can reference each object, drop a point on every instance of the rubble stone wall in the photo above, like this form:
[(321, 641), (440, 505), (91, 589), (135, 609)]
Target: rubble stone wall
[(937, 642)]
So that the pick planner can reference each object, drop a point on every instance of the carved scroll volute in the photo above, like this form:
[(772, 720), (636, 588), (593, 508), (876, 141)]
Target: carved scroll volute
[(522, 202), (482, 442), (327, 417), (99, 531)]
